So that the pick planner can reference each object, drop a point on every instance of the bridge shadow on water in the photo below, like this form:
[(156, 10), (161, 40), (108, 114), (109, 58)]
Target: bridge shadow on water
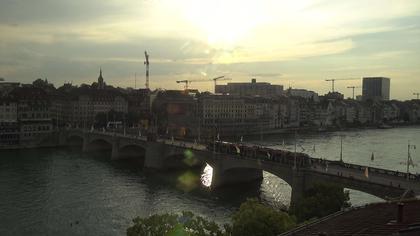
[(185, 181)]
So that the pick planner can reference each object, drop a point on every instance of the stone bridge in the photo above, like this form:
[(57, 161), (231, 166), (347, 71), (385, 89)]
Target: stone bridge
[(235, 166)]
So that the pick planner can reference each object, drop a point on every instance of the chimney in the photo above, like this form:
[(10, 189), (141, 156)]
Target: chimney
[(400, 213)]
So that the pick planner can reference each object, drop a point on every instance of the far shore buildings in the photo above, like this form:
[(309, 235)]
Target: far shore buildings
[(27, 111), (78, 106), (376, 88)]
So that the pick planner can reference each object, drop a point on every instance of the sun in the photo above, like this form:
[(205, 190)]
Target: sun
[(223, 23)]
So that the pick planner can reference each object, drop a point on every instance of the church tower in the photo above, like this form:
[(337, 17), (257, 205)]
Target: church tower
[(101, 83)]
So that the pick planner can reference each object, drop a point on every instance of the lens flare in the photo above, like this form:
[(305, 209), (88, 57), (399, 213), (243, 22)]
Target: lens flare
[(207, 176), (188, 181)]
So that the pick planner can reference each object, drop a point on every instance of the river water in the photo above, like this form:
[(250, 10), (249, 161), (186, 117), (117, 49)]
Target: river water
[(66, 192)]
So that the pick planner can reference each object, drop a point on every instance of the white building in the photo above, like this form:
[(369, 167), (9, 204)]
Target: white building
[(230, 114), (250, 89), (303, 93)]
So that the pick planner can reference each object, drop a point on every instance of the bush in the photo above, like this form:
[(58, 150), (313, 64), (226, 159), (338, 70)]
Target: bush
[(186, 224), (253, 218)]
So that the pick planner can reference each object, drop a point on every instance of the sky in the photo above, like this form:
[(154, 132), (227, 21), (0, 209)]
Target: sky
[(296, 43)]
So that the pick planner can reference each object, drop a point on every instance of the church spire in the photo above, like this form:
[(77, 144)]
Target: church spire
[(101, 83)]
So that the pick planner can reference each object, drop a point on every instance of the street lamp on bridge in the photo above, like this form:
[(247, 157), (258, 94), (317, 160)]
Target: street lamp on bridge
[(341, 148), (409, 160)]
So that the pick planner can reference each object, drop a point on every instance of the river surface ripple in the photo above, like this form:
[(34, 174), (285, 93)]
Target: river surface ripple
[(66, 192)]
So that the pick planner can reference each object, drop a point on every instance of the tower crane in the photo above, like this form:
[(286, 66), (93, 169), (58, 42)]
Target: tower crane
[(187, 82), (353, 87), (146, 62), (333, 80), (219, 78)]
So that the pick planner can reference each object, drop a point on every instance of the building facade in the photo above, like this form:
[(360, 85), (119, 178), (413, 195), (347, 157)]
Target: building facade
[(9, 126), (237, 115), (33, 113)]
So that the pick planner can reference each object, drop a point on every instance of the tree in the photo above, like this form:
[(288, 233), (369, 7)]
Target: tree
[(43, 84), (253, 218), (319, 201), (186, 224)]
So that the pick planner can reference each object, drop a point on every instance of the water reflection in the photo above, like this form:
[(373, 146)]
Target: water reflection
[(188, 181), (207, 175)]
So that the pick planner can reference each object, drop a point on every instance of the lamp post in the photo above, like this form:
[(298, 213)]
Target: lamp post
[(341, 148), (409, 161), (294, 162)]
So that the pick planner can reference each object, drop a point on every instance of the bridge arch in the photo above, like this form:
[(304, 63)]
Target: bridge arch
[(231, 171), (98, 144), (132, 151), (75, 140)]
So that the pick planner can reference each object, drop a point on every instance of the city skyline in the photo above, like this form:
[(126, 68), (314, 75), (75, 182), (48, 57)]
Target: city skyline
[(297, 44)]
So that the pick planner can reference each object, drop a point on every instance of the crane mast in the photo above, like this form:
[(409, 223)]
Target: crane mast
[(333, 82), (146, 62), (187, 82), (353, 87)]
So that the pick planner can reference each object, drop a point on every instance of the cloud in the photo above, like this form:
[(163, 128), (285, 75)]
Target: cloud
[(302, 40)]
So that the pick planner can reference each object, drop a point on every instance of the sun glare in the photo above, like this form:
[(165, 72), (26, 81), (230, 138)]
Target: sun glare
[(223, 23)]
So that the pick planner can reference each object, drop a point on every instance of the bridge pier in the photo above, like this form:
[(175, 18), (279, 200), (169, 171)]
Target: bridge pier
[(85, 143), (298, 186), (62, 139), (115, 155), (155, 155)]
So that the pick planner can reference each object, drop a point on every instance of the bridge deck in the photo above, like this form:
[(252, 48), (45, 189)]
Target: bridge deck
[(334, 168)]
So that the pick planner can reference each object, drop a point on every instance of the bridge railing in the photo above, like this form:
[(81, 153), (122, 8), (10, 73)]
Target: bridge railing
[(239, 150), (380, 171), (287, 157), (243, 151)]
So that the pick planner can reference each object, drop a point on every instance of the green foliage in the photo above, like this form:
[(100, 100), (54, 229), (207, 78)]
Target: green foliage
[(320, 201), (42, 84), (253, 218), (186, 224)]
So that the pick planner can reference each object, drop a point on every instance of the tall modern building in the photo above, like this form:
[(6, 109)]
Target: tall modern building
[(376, 88)]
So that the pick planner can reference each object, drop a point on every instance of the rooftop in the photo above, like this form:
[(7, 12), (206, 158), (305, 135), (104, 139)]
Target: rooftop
[(373, 219)]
